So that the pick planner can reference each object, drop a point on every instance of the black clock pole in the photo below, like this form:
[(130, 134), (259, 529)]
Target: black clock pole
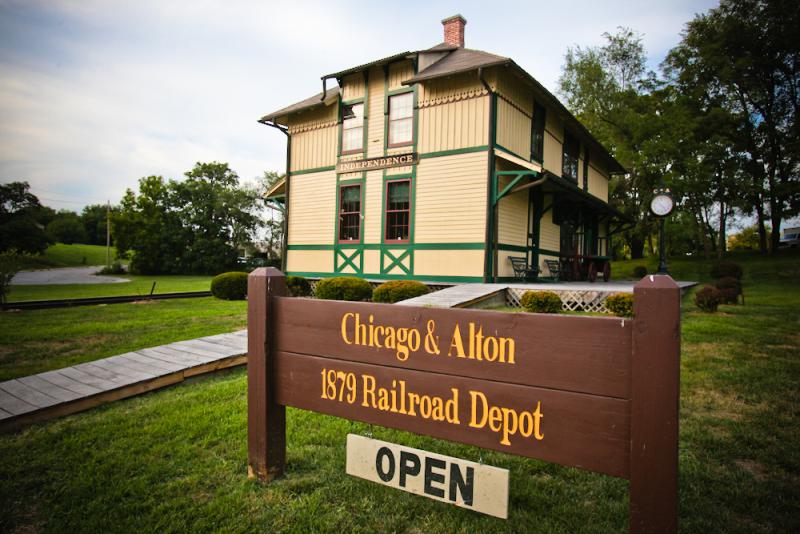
[(662, 262)]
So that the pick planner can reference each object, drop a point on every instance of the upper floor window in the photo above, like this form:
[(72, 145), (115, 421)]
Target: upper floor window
[(353, 128), (401, 119), (349, 212), (398, 210), (537, 132), (569, 168)]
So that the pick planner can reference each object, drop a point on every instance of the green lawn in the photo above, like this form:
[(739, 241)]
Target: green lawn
[(175, 460), (138, 285), (61, 255), (34, 341)]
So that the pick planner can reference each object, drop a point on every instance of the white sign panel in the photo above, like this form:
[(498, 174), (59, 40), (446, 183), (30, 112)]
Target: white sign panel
[(470, 485)]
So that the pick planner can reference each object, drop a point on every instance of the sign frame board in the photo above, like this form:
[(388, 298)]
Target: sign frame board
[(598, 393), (378, 163)]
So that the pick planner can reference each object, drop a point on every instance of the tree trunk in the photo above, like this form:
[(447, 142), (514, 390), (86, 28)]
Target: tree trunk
[(723, 217), (637, 247)]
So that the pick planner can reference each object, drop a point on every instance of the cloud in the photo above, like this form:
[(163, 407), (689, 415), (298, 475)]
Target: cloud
[(96, 94)]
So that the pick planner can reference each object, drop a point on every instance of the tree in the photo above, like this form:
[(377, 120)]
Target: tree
[(19, 228), (196, 226), (93, 218), (743, 57), (10, 265), (66, 228), (275, 226), (606, 87)]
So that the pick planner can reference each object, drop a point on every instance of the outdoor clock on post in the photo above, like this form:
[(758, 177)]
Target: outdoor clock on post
[(662, 203), (661, 206)]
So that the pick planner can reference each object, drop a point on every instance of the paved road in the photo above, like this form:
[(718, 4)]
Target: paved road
[(67, 275)]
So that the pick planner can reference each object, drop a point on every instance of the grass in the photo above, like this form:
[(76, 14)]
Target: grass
[(35, 341), (61, 255), (175, 460), (138, 285)]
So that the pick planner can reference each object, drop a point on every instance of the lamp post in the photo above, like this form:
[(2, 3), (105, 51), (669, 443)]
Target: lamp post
[(661, 206)]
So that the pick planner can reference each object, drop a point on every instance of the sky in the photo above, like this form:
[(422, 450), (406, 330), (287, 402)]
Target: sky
[(97, 94)]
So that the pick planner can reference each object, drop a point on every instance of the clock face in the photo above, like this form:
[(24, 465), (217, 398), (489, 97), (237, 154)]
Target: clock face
[(662, 205)]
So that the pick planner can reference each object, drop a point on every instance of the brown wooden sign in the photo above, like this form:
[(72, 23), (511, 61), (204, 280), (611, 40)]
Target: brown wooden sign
[(597, 393), (381, 162)]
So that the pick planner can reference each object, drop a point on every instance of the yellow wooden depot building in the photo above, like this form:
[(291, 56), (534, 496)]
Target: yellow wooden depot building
[(439, 165)]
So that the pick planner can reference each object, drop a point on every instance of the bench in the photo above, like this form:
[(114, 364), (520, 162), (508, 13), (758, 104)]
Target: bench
[(554, 266), (522, 270)]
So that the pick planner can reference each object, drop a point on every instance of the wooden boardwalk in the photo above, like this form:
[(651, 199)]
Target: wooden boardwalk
[(52, 394)]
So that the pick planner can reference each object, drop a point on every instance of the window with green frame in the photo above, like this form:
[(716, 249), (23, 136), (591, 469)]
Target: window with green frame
[(398, 211), (569, 168), (537, 132), (353, 128), (349, 213), (401, 119)]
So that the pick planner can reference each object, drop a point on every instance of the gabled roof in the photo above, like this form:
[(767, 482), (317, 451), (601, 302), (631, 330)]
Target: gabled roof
[(458, 61), (330, 96)]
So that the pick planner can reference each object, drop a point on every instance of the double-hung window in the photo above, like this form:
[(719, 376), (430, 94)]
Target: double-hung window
[(398, 211), (401, 119), (349, 213), (537, 133), (569, 167), (353, 129)]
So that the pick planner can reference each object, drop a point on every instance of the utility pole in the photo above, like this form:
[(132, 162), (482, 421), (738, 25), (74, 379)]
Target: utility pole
[(108, 234)]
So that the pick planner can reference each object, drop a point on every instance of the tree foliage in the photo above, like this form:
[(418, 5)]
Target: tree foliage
[(67, 228), (20, 214), (197, 225)]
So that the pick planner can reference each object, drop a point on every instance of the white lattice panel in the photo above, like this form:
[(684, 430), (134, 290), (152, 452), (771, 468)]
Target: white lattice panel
[(571, 300)]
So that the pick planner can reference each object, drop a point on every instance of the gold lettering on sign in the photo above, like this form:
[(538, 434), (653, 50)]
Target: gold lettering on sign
[(385, 162)]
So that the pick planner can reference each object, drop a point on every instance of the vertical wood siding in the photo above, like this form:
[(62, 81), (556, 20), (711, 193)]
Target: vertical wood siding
[(314, 136), (376, 114), (450, 89), (312, 208), (451, 199), (598, 182), (549, 233), (399, 72), (353, 87), (512, 221), (513, 129), (459, 124), (372, 209)]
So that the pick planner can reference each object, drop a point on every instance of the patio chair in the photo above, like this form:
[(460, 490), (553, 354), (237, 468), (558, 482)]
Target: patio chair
[(554, 266), (522, 270)]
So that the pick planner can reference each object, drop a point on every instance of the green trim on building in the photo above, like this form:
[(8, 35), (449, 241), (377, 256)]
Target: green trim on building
[(379, 246), (348, 256), (312, 171), (511, 152), (454, 152), (421, 278)]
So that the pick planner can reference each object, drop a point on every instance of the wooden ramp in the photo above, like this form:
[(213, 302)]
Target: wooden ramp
[(73, 389)]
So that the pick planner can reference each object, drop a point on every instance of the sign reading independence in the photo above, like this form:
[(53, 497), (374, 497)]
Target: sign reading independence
[(599, 393), (373, 164)]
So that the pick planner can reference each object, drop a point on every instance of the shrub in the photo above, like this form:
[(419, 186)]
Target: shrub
[(620, 304), (344, 288), (398, 290), (726, 269), (298, 286), (730, 288), (114, 268), (541, 302), (230, 286), (639, 272), (708, 298)]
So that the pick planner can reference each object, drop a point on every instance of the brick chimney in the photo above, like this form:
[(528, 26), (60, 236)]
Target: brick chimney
[(454, 30)]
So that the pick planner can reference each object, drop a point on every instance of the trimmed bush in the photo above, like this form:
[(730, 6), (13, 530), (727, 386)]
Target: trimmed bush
[(620, 304), (639, 272), (541, 302), (398, 290), (298, 286), (708, 298), (344, 288), (726, 269), (114, 268), (730, 288), (230, 286)]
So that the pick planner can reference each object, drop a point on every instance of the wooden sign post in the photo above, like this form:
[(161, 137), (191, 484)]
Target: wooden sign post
[(599, 393)]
